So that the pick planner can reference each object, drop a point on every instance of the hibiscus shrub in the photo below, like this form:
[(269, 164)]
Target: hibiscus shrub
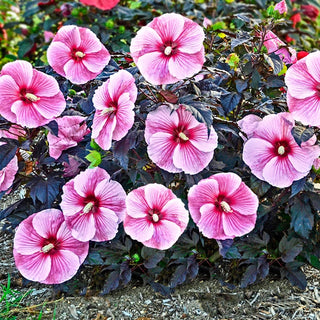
[(160, 142)]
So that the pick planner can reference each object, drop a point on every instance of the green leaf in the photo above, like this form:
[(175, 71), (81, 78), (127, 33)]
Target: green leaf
[(314, 261), (94, 157)]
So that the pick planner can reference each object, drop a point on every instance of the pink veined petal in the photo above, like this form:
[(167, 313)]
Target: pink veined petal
[(44, 85), (147, 40), (206, 191), (168, 26), (302, 158), (300, 82), (157, 195), (249, 124), (64, 265), (82, 226), (120, 83), (72, 203), (191, 39), (47, 222), (280, 173), (21, 72), (57, 145), (256, 154), (175, 212), (86, 182), (51, 107), (124, 116), (106, 123), (69, 243), (58, 55), (101, 98), (161, 119), (106, 225), (89, 41), (161, 151), (313, 65), (77, 72), (305, 110), (137, 206), (187, 119), (139, 229), (69, 35), (190, 159), (27, 241), (28, 115), (111, 195), (237, 225), (156, 61), (244, 201), (183, 65), (199, 138), (96, 61), (228, 182), (8, 173), (34, 267), (210, 223), (9, 94), (165, 234)]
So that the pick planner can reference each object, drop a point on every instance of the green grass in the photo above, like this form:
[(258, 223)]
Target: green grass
[(11, 308)]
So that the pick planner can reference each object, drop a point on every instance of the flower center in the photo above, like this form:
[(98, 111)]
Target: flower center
[(88, 207), (47, 248), (225, 206), (31, 97), (155, 217), (183, 137), (108, 110), (168, 50), (79, 54), (281, 150)]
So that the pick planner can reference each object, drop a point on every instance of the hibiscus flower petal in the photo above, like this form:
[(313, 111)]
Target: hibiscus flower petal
[(64, 265), (139, 229), (313, 65), (102, 129), (21, 72), (137, 206), (237, 225), (96, 61), (157, 195), (175, 212), (77, 72), (199, 138), (72, 203), (44, 85), (69, 35), (82, 226), (161, 151), (89, 41), (58, 55), (106, 224), (165, 234), (50, 107)]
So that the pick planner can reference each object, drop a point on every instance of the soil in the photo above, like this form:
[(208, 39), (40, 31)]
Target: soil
[(197, 300)]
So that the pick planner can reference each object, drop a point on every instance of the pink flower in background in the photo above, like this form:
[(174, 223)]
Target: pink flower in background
[(72, 129), (177, 141), (44, 249), (114, 103), (48, 36), (248, 125), (274, 156), (14, 132), (207, 22), (170, 44), (29, 97), (281, 7), (155, 216), (223, 207), (277, 46), (101, 4), (316, 164), (303, 82), (77, 54), (7, 174), (93, 205)]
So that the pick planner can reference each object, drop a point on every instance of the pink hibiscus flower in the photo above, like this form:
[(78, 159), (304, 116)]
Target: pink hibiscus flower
[(274, 156), (77, 54), (170, 44), (155, 216), (14, 132), (281, 7), (93, 205), (277, 46), (29, 97), (303, 82), (101, 4), (44, 249), (71, 131), (177, 141), (114, 103), (223, 207), (8, 173)]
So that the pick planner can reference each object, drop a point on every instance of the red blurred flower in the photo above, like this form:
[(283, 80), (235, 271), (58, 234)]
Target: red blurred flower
[(310, 11), (302, 54), (295, 18), (101, 4)]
